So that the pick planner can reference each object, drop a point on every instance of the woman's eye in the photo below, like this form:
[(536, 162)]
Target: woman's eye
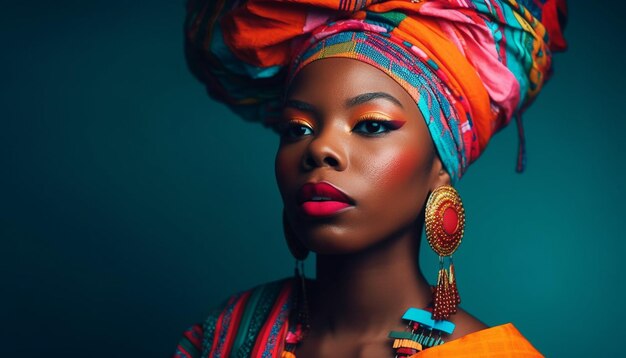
[(371, 127), (295, 130)]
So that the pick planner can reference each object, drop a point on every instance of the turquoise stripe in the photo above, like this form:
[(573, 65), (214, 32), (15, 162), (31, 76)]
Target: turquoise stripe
[(255, 314), (189, 347), (209, 330), (249, 310)]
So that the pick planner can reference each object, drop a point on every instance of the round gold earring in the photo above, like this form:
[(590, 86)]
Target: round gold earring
[(445, 226)]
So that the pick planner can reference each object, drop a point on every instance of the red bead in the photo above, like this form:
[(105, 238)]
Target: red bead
[(291, 338), (450, 220)]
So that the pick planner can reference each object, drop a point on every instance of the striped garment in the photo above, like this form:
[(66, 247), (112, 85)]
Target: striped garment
[(255, 323), (250, 324)]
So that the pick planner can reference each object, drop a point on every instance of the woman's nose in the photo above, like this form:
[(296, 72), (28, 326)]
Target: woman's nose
[(327, 149)]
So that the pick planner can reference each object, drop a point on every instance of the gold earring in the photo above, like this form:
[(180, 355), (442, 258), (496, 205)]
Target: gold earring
[(445, 226)]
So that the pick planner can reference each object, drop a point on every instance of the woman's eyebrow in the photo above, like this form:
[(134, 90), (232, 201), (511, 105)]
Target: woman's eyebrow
[(366, 97), (300, 105)]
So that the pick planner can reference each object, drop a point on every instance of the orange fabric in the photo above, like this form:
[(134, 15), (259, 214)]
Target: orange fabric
[(502, 341), (470, 65), (461, 75), (261, 32)]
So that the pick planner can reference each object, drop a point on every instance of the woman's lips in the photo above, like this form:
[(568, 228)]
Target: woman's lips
[(322, 199), (322, 208)]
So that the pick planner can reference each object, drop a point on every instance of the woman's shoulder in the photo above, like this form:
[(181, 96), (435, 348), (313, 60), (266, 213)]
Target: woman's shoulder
[(465, 324), (233, 326)]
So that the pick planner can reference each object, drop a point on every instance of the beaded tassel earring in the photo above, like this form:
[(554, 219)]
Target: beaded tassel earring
[(299, 319), (445, 225)]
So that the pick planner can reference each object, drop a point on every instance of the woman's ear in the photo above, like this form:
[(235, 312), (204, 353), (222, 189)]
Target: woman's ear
[(440, 175)]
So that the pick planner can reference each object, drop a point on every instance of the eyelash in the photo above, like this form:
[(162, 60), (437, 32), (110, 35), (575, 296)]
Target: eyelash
[(382, 123), (285, 130)]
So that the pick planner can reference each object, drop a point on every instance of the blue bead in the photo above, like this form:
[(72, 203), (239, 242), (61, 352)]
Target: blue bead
[(422, 317), (444, 326)]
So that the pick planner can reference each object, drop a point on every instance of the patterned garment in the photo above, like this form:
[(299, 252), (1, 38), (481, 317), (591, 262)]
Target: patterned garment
[(255, 323), (471, 66), (251, 324)]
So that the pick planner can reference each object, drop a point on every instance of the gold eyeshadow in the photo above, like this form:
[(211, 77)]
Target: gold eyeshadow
[(288, 122), (297, 120), (382, 117), (375, 115)]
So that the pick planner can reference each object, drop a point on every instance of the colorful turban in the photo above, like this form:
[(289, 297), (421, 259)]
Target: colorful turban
[(471, 66)]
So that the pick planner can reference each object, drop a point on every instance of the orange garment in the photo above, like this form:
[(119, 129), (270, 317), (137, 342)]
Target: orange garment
[(500, 341)]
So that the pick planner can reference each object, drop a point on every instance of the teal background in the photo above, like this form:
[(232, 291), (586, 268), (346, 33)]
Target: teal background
[(130, 203)]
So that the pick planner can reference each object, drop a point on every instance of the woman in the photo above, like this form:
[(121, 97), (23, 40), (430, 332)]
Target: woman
[(380, 107)]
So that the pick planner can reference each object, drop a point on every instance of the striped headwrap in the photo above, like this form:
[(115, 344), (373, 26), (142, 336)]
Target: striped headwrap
[(471, 66)]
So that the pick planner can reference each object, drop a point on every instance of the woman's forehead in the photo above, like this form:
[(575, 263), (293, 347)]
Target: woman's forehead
[(344, 79)]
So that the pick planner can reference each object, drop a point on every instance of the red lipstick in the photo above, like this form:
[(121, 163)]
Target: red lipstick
[(322, 199)]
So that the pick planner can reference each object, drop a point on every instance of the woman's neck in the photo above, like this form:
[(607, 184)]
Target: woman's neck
[(367, 293)]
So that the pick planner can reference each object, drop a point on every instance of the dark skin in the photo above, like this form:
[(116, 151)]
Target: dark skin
[(349, 124)]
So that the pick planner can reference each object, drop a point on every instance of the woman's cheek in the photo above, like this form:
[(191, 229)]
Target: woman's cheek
[(401, 167), (283, 168)]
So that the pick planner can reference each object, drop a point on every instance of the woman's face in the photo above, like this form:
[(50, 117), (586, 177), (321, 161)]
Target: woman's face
[(348, 126)]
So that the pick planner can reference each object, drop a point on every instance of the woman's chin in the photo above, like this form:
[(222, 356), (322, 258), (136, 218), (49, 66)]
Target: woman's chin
[(334, 244)]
